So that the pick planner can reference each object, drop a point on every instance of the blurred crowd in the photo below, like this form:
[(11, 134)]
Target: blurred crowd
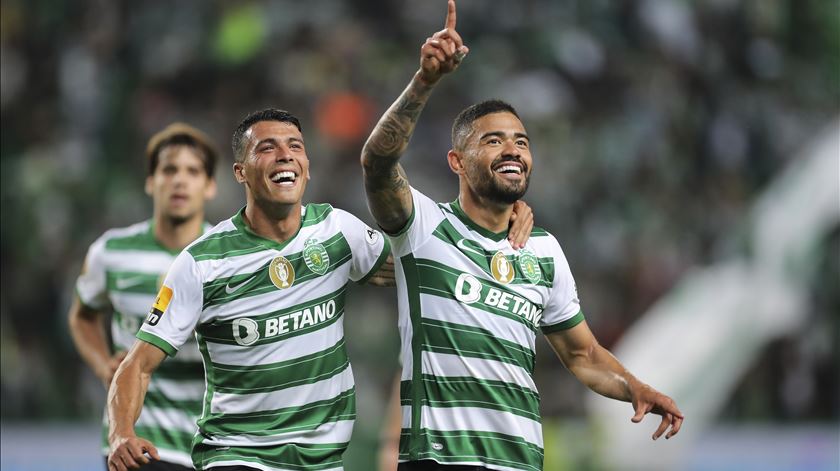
[(654, 126)]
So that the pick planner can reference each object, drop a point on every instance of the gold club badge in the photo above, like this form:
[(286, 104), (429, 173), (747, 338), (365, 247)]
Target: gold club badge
[(501, 268), (281, 272)]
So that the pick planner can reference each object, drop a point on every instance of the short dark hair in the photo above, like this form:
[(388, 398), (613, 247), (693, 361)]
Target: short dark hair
[(181, 134), (462, 126), (268, 114)]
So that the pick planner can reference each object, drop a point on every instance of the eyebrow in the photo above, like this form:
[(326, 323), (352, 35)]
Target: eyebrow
[(502, 134), (271, 140)]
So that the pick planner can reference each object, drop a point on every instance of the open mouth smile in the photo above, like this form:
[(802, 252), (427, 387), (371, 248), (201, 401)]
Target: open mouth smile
[(284, 177)]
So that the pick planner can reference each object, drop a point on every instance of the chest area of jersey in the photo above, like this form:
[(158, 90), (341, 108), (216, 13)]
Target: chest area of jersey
[(269, 277), (483, 285)]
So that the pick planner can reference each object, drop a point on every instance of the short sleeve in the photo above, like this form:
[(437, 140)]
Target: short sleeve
[(563, 308), (92, 284), (425, 217), (177, 307), (369, 248)]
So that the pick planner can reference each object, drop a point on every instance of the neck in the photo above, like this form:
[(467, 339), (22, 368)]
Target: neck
[(274, 222), (176, 234), (491, 215)]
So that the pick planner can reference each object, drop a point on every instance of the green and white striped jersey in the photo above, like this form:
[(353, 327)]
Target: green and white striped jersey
[(123, 270), (268, 318), (470, 308)]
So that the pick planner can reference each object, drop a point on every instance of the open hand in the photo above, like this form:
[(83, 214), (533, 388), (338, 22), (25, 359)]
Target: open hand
[(646, 399)]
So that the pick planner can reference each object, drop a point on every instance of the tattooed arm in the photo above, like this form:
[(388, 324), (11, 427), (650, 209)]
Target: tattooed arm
[(386, 184)]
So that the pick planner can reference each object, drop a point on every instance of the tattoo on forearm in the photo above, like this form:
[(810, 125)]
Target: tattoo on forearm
[(390, 137)]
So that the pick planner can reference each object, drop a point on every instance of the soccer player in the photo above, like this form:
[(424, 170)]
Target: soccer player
[(264, 292), (470, 305), (123, 271)]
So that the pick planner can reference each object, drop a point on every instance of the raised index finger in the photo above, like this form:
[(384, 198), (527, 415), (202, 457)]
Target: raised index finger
[(450, 15)]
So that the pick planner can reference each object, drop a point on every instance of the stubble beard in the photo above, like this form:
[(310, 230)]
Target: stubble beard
[(489, 187)]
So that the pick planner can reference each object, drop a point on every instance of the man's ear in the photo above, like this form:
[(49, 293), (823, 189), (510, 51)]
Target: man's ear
[(148, 187), (456, 163), (239, 172)]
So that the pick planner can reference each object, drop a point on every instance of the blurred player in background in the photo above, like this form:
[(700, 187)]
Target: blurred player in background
[(122, 274), (470, 304)]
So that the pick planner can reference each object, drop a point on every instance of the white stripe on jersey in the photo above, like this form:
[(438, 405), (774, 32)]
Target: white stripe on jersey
[(139, 261), (456, 419), (232, 403), (444, 364), (166, 419), (450, 310), (180, 390)]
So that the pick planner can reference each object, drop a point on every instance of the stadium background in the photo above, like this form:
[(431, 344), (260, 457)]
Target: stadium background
[(656, 125)]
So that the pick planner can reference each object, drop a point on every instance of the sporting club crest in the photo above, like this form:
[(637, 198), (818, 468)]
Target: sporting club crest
[(529, 265), (281, 272), (316, 256), (501, 268)]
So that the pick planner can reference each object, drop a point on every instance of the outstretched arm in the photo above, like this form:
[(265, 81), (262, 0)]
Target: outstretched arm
[(386, 184), (125, 400), (599, 370)]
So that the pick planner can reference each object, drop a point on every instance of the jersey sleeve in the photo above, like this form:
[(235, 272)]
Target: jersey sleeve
[(92, 284), (563, 308), (368, 247), (177, 307), (425, 217)]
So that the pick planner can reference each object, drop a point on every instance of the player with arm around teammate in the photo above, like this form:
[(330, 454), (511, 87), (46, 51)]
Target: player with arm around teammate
[(470, 305), (123, 271), (264, 293)]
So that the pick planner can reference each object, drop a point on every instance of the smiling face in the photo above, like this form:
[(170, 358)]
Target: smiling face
[(496, 158), (180, 185), (274, 168)]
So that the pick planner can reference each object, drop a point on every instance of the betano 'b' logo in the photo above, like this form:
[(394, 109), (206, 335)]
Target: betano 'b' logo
[(501, 268), (281, 272)]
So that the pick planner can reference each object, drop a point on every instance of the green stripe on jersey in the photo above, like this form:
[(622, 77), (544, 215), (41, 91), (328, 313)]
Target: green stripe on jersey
[(466, 391), (567, 324), (307, 369), (173, 368), (473, 342), (300, 319), (132, 282), (289, 419), (494, 298), (227, 289), (143, 240), (451, 447), (157, 400)]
